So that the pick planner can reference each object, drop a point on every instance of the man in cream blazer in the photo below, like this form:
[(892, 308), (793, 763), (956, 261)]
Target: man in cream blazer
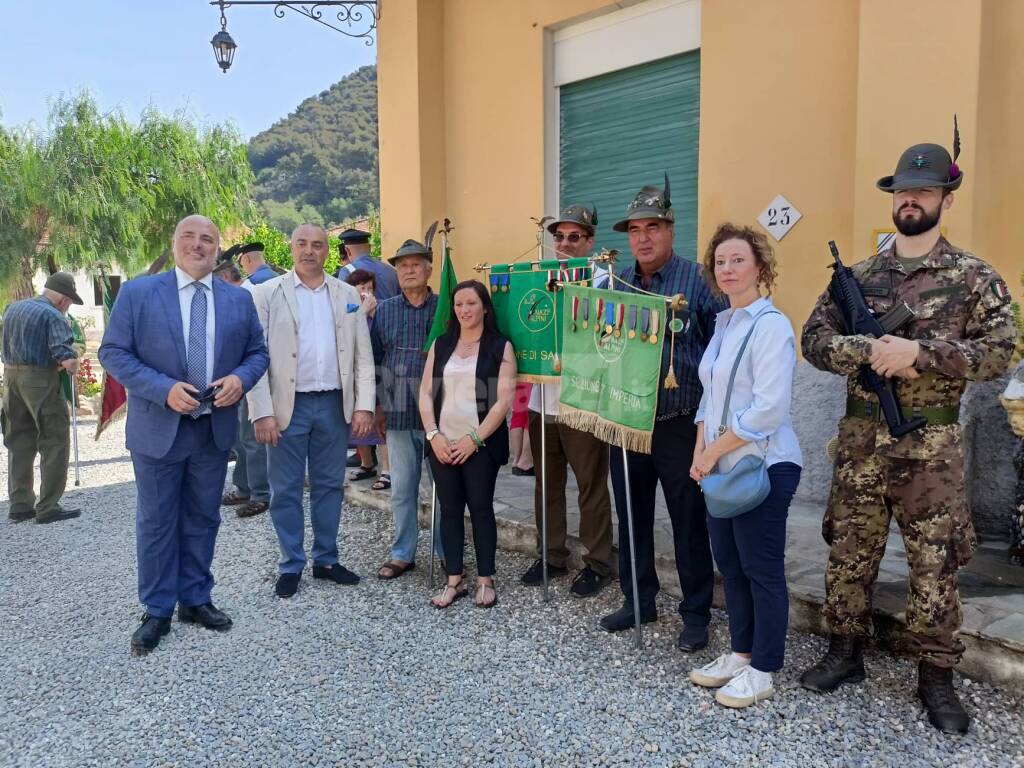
[(320, 382)]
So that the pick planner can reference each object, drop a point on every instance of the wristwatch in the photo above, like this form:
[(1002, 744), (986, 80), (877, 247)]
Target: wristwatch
[(432, 434)]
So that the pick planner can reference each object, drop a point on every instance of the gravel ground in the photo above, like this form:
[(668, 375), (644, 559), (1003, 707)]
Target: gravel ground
[(372, 675)]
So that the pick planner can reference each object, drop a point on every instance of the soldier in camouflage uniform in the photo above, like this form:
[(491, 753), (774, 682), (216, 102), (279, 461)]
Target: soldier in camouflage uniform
[(962, 331)]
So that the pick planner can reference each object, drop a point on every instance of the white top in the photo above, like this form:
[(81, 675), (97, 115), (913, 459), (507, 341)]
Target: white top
[(317, 366), (762, 392), (552, 394), (185, 291), (458, 409)]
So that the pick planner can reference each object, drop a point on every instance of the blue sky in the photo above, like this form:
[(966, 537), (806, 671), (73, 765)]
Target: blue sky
[(132, 53)]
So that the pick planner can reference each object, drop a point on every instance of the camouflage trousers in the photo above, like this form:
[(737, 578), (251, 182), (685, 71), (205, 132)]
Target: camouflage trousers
[(928, 501)]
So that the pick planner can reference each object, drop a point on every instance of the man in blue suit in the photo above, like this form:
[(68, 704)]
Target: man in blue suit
[(186, 347)]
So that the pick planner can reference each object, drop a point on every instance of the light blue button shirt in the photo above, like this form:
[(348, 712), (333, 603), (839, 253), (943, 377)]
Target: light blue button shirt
[(763, 390)]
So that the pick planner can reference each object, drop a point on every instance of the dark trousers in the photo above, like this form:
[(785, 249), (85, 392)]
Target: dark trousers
[(750, 551), (467, 485), (588, 458), (668, 464), (178, 517)]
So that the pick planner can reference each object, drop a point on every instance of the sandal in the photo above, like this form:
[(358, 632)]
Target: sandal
[(382, 484), (457, 591), (481, 593), (394, 569), (254, 508), (363, 473), (233, 499)]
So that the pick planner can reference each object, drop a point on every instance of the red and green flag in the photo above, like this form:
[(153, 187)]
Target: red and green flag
[(114, 399)]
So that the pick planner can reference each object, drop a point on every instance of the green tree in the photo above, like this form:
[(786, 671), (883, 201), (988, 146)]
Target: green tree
[(103, 189)]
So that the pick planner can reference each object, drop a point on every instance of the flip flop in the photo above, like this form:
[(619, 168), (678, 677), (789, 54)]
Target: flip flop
[(491, 604), (382, 484), (363, 473), (397, 569)]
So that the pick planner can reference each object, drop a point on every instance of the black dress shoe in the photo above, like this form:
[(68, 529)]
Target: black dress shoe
[(692, 638), (287, 584), (624, 619), (62, 513), (337, 573), (207, 615), (589, 582), (534, 575), (147, 636), (19, 517)]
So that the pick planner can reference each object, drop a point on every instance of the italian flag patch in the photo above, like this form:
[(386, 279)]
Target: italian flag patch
[(1000, 290)]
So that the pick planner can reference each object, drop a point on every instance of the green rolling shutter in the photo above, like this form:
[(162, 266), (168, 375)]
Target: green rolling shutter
[(622, 130)]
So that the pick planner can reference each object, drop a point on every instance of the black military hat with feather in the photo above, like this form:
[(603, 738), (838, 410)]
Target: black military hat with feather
[(926, 165)]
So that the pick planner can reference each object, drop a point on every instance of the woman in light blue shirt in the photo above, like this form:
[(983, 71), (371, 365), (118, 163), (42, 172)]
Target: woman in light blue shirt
[(750, 548)]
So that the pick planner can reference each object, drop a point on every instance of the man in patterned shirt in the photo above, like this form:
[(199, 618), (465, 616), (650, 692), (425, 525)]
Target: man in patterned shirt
[(650, 224), (399, 333), (37, 345)]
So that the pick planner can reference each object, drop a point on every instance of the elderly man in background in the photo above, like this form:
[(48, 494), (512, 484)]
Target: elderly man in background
[(37, 346), (186, 347), (319, 385)]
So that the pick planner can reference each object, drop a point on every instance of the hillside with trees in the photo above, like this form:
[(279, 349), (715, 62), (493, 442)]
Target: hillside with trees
[(320, 163)]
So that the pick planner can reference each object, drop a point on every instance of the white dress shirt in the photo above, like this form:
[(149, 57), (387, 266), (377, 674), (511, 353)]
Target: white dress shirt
[(763, 389), (317, 367), (185, 291)]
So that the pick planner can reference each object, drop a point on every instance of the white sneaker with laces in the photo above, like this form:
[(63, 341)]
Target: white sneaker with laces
[(748, 686), (720, 671)]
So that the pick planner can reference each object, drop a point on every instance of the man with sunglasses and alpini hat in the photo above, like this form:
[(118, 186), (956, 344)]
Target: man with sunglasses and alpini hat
[(962, 330)]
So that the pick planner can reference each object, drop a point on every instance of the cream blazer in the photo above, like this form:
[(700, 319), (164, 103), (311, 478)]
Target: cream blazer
[(274, 394)]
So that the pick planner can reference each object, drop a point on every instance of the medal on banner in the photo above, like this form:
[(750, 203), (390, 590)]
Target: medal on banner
[(645, 323), (505, 281), (632, 322), (598, 315), (494, 283), (655, 318), (586, 313), (620, 318), (609, 318), (575, 311)]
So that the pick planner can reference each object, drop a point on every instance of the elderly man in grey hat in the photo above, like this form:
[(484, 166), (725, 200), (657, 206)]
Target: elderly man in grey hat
[(399, 334), (573, 234), (650, 224), (37, 346)]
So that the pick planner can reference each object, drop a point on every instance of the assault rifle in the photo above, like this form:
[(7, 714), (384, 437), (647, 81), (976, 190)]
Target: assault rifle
[(858, 318)]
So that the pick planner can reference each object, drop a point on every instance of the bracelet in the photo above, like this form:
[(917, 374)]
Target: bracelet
[(476, 439)]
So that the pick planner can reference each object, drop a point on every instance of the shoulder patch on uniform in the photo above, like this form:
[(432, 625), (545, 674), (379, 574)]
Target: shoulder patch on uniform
[(1001, 291)]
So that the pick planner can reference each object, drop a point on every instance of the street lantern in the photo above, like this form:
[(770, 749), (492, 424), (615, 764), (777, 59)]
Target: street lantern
[(224, 49)]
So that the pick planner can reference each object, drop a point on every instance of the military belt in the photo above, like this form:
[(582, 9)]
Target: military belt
[(940, 414)]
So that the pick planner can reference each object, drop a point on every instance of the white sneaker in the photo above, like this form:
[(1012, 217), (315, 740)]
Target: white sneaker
[(748, 686), (720, 671)]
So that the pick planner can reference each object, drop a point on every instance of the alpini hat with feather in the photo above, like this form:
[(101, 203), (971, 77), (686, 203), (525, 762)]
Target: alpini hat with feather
[(926, 165), (415, 248), (650, 203)]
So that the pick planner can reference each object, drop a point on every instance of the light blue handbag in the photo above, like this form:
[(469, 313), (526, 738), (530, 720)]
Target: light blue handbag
[(746, 485)]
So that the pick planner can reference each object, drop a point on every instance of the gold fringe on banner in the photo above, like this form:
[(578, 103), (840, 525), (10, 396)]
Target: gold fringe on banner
[(536, 378), (636, 440)]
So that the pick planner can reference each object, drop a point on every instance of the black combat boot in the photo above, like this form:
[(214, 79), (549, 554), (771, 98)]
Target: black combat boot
[(843, 663), (935, 688)]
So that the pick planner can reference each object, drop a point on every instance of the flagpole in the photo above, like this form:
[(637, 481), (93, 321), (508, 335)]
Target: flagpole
[(544, 488), (433, 517), (74, 425), (638, 632)]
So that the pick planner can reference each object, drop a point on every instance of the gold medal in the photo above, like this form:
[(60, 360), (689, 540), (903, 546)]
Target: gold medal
[(607, 329), (586, 324), (632, 334), (654, 338)]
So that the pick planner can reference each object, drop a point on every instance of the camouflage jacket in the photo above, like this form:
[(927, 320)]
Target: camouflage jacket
[(963, 322)]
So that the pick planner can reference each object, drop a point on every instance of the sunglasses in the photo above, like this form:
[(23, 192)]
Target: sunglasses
[(572, 237)]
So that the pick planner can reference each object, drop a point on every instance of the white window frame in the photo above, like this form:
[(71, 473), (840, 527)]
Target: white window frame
[(578, 50)]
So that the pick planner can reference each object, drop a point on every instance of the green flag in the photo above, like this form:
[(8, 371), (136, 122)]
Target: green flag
[(78, 341), (611, 364), (529, 312), (443, 313)]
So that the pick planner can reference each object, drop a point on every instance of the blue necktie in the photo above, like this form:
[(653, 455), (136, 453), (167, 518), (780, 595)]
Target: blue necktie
[(196, 355)]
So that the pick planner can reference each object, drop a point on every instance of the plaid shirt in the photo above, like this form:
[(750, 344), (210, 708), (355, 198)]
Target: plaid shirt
[(36, 333), (678, 275), (398, 334)]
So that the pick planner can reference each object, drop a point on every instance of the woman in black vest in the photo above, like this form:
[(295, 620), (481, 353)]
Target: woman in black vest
[(468, 384)]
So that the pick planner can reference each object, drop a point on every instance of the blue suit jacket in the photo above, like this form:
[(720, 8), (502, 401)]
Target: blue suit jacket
[(144, 349)]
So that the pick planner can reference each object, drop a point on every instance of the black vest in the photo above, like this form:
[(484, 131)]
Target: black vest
[(488, 366)]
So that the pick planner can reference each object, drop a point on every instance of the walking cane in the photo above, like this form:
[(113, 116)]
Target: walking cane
[(433, 512), (74, 425), (638, 632)]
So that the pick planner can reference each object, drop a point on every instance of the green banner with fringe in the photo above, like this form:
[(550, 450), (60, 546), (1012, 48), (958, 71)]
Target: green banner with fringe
[(528, 306), (611, 364)]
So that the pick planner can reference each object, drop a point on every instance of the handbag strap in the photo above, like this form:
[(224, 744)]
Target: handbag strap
[(736, 366)]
